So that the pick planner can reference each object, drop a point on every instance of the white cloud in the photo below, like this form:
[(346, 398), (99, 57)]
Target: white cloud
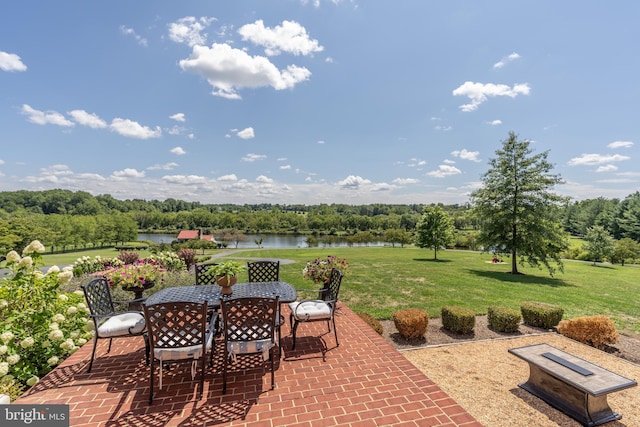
[(466, 155), (131, 32), (128, 173), (167, 166), (353, 182), (443, 128), (449, 162), (247, 133), (189, 30), (607, 168), (264, 180), (504, 61), (444, 170), (87, 119), (178, 117), (320, 142), (184, 179), (1, 162), (11, 62), (285, 167), (227, 70), (290, 37), (178, 151), (253, 157), (405, 181), (495, 122), (596, 159), (620, 144), (416, 163), (479, 92), (131, 129), (44, 118), (228, 178)]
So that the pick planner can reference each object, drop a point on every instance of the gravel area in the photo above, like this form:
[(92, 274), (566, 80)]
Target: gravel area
[(481, 375)]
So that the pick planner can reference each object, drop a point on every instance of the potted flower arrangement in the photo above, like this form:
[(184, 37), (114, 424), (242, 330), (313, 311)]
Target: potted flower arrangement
[(227, 274), (138, 276), (319, 270)]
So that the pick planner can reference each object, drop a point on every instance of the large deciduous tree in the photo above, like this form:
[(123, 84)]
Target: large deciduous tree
[(517, 210), (598, 243), (434, 230)]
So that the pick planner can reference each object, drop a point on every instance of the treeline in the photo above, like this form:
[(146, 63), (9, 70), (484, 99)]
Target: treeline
[(66, 219)]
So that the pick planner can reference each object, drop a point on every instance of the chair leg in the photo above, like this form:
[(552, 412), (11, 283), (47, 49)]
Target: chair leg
[(93, 353), (110, 341), (273, 375), (225, 360), (151, 369), (335, 331), (147, 347), (202, 365), (293, 332)]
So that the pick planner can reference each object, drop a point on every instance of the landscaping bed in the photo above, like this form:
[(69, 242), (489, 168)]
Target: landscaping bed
[(628, 346)]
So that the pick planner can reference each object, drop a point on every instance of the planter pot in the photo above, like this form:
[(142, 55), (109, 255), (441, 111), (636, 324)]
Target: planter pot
[(226, 284), (137, 291)]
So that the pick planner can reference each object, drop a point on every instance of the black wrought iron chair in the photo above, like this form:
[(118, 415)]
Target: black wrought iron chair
[(108, 323), (263, 271), (318, 310), (179, 331), (203, 275), (249, 326)]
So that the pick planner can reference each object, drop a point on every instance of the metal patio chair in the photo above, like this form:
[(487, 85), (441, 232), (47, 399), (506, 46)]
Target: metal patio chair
[(179, 330), (109, 324), (248, 327)]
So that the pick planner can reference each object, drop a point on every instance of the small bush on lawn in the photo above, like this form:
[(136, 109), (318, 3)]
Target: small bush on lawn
[(540, 314), (503, 319), (459, 320), (596, 331), (372, 321), (411, 323)]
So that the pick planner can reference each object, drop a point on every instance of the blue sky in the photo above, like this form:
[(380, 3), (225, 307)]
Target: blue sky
[(314, 101)]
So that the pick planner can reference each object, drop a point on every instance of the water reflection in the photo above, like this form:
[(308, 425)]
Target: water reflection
[(274, 241)]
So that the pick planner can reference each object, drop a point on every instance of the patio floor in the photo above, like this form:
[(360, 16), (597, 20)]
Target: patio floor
[(363, 382)]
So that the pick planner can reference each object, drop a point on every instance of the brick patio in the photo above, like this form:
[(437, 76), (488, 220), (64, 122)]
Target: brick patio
[(364, 382)]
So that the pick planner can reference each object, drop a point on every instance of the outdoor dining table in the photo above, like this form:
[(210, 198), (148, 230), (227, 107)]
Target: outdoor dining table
[(213, 293)]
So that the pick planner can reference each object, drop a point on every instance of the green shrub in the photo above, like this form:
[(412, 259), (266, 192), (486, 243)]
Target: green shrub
[(372, 321), (596, 331), (11, 387), (504, 319), (540, 314), (459, 320), (411, 323)]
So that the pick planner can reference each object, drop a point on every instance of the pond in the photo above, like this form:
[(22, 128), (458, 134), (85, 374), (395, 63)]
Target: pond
[(274, 241)]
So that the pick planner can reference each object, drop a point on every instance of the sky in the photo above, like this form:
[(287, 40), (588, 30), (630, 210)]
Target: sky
[(314, 101)]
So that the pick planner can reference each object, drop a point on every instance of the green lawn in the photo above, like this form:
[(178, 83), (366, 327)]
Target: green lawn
[(382, 280)]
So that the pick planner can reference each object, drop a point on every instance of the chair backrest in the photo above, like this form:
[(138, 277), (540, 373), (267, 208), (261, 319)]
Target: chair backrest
[(98, 296), (249, 319), (203, 275), (176, 324), (331, 289), (264, 271)]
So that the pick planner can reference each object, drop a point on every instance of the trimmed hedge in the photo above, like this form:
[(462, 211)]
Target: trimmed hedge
[(504, 319), (460, 320), (540, 314), (411, 323), (596, 331)]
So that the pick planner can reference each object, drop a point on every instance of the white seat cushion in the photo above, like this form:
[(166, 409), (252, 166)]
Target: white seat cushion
[(191, 352), (310, 310), (122, 324), (247, 347)]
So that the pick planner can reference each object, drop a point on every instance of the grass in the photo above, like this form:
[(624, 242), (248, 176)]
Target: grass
[(384, 279)]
